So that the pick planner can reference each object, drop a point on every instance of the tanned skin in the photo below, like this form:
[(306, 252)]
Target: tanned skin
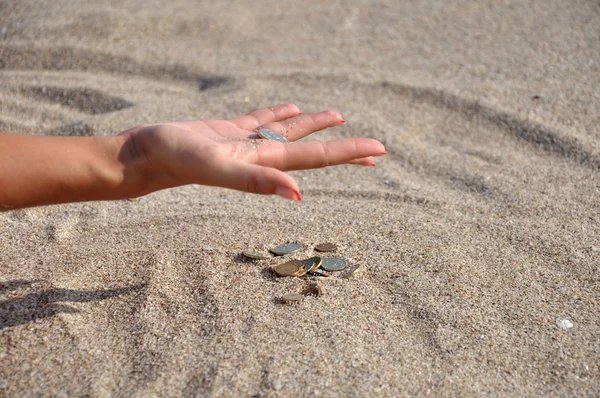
[(42, 170)]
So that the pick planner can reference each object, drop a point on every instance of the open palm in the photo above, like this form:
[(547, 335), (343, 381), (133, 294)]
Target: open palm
[(230, 154)]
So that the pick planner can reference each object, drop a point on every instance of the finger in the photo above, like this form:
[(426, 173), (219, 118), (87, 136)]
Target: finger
[(253, 178), (368, 161), (301, 126), (266, 115), (316, 154)]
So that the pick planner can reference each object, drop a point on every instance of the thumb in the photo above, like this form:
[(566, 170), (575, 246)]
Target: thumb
[(263, 180)]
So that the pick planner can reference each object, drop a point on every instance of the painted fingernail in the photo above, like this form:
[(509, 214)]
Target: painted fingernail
[(342, 121), (384, 153), (288, 193), (373, 164)]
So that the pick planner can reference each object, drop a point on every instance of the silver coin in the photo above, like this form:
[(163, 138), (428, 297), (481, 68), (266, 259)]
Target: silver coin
[(354, 270), (333, 264), (256, 255), (271, 135), (286, 249), (318, 272), (292, 297), (316, 276)]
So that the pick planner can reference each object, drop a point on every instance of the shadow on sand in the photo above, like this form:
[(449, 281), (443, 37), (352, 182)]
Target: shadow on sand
[(47, 301)]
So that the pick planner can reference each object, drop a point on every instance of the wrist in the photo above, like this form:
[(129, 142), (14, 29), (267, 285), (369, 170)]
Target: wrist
[(130, 168)]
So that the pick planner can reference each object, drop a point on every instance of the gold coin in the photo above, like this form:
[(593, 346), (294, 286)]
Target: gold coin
[(312, 263), (256, 255), (286, 248), (292, 297), (325, 247), (290, 268)]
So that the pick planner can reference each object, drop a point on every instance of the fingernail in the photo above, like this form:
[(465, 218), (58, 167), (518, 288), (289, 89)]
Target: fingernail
[(342, 121), (384, 153), (373, 164), (288, 193)]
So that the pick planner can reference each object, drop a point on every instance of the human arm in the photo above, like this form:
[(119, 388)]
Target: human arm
[(42, 170), (37, 170)]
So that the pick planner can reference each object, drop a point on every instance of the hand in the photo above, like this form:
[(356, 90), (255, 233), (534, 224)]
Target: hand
[(230, 154)]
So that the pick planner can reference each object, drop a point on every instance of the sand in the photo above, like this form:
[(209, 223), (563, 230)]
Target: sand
[(477, 233)]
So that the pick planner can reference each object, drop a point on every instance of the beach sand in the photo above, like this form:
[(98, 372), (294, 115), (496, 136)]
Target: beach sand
[(477, 233)]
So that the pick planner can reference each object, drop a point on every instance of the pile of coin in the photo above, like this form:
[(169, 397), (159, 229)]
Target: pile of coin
[(316, 267)]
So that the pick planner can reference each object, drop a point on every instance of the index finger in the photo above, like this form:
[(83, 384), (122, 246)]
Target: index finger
[(267, 115)]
